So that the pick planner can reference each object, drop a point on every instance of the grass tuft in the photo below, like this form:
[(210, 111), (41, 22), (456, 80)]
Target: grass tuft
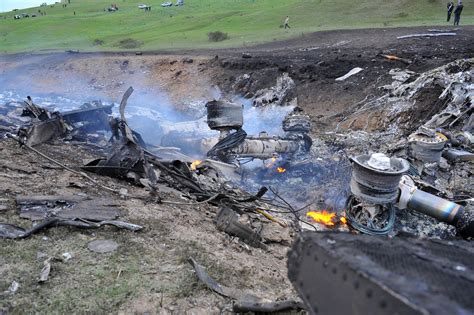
[(217, 36)]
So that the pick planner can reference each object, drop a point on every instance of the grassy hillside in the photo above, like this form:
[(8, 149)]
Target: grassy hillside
[(246, 21)]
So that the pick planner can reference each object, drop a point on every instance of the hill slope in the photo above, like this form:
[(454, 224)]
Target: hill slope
[(246, 21)]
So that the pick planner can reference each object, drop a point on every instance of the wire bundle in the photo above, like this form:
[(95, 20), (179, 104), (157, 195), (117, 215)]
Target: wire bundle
[(229, 142), (353, 222)]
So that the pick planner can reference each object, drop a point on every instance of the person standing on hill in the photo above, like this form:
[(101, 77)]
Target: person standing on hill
[(450, 9), (457, 12), (287, 21)]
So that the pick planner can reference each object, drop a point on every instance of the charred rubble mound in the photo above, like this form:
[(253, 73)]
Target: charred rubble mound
[(426, 119), (413, 99)]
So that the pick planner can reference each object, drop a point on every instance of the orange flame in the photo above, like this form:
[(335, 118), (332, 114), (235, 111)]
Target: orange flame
[(281, 170), (273, 160), (324, 217), (343, 220), (195, 164)]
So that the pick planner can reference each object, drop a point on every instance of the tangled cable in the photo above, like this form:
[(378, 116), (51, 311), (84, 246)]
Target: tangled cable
[(229, 142), (353, 222)]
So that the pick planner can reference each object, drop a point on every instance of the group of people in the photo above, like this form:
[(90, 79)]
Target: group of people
[(457, 11), (451, 7)]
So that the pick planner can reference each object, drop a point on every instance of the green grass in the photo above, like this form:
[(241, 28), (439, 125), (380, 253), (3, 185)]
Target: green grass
[(247, 22), (88, 282)]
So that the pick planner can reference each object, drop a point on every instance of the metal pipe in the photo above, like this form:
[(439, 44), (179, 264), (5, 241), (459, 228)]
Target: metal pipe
[(266, 148), (439, 208), (444, 210)]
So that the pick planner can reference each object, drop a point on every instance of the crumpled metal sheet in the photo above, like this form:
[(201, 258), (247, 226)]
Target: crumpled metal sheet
[(227, 221), (211, 283), (67, 207), (127, 157), (377, 275), (15, 232), (44, 131), (11, 231), (205, 278)]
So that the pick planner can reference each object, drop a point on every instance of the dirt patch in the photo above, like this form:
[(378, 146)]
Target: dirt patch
[(129, 43), (426, 105)]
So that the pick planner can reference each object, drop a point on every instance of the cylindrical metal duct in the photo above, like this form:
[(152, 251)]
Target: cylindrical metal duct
[(439, 208), (425, 148), (223, 115), (444, 210), (265, 148)]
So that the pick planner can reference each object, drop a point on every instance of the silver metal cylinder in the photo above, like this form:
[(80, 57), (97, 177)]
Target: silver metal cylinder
[(439, 208), (425, 148), (224, 115), (265, 148), (376, 185)]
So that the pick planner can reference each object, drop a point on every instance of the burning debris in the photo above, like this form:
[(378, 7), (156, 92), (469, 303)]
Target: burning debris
[(226, 117), (328, 219)]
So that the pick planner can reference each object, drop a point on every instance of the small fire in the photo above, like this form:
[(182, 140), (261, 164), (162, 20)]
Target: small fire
[(195, 164), (343, 220), (329, 219), (324, 217), (281, 170), (272, 162)]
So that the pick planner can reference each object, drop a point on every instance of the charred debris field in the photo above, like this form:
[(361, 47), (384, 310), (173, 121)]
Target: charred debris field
[(331, 174)]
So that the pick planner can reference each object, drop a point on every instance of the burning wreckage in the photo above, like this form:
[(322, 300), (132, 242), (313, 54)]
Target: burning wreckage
[(412, 176)]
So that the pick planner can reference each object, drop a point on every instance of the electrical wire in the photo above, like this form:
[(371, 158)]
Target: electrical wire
[(229, 142), (293, 211), (353, 222)]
